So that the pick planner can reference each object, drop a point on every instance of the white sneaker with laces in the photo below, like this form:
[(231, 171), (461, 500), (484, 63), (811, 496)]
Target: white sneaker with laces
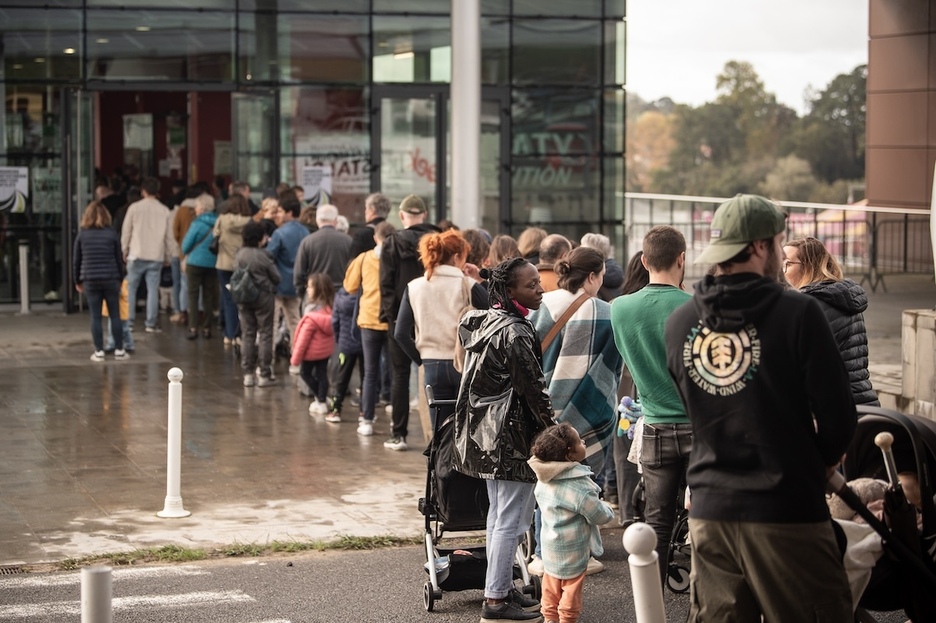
[(365, 429), (594, 566), (97, 355), (120, 354), (396, 443)]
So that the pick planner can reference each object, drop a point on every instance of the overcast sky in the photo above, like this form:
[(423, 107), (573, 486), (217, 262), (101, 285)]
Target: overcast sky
[(676, 48)]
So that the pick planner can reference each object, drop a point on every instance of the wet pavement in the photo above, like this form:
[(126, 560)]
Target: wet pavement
[(83, 444)]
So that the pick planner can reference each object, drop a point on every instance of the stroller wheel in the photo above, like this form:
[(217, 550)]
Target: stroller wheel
[(536, 582), (677, 579), (429, 597)]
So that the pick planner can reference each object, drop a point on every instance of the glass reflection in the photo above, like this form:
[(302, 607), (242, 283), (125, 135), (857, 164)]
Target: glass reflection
[(551, 51)]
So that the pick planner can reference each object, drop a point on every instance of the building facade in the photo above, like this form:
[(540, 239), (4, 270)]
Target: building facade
[(348, 96)]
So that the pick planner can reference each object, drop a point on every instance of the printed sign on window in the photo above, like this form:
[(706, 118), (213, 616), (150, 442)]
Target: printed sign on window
[(14, 189)]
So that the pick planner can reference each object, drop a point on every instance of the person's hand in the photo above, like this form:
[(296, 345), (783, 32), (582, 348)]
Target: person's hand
[(79, 287), (472, 271)]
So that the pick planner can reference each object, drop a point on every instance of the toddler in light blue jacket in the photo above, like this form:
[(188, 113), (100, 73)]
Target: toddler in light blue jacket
[(572, 512)]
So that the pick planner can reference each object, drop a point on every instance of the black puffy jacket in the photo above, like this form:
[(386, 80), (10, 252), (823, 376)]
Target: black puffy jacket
[(502, 402), (843, 303)]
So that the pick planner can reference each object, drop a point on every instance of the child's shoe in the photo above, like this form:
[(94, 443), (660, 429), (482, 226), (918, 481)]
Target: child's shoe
[(333, 416), (317, 408), (535, 566), (121, 354), (267, 381), (250, 380)]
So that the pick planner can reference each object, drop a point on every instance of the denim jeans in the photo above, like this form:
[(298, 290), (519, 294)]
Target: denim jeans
[(373, 342), (110, 343), (664, 458), (179, 286), (98, 292), (148, 270), (228, 306), (508, 520), (444, 379)]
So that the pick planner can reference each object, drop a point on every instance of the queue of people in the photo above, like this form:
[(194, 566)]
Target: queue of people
[(747, 387)]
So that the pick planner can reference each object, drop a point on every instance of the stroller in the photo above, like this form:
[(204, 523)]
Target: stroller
[(456, 503), (905, 577), (679, 551)]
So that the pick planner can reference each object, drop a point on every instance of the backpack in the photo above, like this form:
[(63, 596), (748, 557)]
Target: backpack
[(242, 287)]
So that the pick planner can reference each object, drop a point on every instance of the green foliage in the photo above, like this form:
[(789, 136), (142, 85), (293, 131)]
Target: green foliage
[(745, 141)]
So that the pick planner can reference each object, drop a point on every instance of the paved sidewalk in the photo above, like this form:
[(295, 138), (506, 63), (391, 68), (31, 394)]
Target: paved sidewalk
[(83, 444)]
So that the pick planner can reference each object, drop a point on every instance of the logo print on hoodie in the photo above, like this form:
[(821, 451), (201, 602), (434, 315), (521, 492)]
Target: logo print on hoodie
[(721, 363)]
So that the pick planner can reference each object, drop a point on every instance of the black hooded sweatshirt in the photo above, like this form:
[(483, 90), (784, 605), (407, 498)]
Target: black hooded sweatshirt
[(399, 264), (768, 396)]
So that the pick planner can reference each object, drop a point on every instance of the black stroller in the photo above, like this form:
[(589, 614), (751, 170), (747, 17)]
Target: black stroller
[(679, 551), (905, 577), (456, 503)]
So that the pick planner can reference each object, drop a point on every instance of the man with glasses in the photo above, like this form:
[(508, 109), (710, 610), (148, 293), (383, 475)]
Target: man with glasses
[(638, 320), (772, 413)]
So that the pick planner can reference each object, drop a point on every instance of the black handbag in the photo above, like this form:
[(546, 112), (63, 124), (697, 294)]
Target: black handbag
[(213, 245)]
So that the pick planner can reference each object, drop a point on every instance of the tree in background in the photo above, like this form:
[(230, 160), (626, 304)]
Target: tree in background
[(746, 141)]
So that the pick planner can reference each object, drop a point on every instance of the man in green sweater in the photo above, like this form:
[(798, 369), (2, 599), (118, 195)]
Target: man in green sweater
[(638, 321)]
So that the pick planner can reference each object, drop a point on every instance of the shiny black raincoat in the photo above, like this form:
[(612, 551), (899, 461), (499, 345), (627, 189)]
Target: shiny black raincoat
[(502, 402)]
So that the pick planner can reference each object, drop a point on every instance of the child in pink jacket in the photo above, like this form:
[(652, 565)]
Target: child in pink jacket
[(314, 343)]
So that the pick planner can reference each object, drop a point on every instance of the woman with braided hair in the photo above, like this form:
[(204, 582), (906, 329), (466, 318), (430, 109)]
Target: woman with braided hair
[(502, 404)]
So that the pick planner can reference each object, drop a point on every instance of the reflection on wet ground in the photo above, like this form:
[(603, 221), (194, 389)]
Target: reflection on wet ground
[(83, 446)]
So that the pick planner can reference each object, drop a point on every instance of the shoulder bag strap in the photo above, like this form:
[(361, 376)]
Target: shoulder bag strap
[(564, 318)]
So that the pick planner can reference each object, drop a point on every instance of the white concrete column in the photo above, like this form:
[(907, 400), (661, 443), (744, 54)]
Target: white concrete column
[(466, 113)]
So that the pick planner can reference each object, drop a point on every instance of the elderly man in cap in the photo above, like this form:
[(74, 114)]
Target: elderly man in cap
[(768, 397), (399, 264)]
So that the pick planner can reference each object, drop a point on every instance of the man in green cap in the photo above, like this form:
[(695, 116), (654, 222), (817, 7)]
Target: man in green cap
[(772, 413)]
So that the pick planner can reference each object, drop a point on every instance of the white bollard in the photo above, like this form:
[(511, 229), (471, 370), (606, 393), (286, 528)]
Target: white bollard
[(640, 542), (24, 276), (173, 506), (96, 595)]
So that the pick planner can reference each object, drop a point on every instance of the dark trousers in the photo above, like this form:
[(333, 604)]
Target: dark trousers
[(444, 379), (256, 319), (399, 390), (206, 280), (346, 365), (98, 292), (315, 375), (229, 307)]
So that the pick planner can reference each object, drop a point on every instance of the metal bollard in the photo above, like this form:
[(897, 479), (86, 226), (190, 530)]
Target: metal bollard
[(96, 595), (640, 542), (24, 276), (173, 506)]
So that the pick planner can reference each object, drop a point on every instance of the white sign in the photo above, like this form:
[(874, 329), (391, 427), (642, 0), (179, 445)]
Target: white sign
[(316, 184), (347, 156), (14, 189)]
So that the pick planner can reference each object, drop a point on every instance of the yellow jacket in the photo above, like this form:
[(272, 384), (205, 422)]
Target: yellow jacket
[(363, 274)]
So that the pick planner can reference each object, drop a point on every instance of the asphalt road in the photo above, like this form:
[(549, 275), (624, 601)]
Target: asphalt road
[(335, 587)]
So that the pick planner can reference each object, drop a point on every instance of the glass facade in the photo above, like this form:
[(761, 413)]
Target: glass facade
[(269, 90)]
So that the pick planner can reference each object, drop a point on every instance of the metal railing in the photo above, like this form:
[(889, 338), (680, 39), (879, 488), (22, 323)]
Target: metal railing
[(869, 241)]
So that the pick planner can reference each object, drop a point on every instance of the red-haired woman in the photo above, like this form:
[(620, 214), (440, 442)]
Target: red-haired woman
[(431, 306)]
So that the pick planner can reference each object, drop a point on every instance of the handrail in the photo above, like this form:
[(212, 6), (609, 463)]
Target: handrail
[(805, 205)]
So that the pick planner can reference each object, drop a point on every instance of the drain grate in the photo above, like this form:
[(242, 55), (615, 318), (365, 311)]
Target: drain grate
[(10, 570)]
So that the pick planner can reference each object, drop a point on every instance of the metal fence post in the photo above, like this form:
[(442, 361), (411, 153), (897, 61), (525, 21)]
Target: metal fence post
[(24, 275), (96, 594), (173, 506)]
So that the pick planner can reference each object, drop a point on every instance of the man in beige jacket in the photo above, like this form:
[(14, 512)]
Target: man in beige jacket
[(147, 243)]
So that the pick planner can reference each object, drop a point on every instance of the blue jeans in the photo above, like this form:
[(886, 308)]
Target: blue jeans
[(664, 458), (98, 292), (138, 270), (179, 287), (372, 342), (228, 306), (444, 379), (508, 520), (110, 344)]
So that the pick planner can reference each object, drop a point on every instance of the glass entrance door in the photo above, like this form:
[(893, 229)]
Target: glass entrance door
[(411, 143), (254, 139)]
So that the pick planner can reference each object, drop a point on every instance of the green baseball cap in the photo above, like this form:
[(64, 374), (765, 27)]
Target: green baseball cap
[(737, 223)]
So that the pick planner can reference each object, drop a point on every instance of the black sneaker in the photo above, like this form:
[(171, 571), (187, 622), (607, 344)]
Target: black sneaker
[(507, 611), (523, 600)]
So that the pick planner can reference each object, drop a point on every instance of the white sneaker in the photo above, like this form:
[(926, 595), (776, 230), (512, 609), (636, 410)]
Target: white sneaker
[(535, 566), (365, 429), (272, 373), (294, 370), (388, 409), (333, 416), (396, 443), (121, 354), (250, 380), (317, 408), (97, 355), (594, 566)]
